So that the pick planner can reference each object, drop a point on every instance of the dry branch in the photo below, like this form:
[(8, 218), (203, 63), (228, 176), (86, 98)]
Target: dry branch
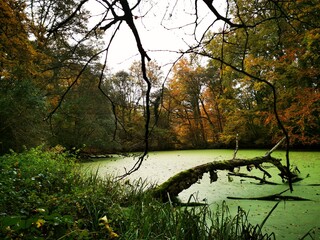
[(243, 175)]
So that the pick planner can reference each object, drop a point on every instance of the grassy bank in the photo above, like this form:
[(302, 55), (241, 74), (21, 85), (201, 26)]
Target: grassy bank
[(45, 195)]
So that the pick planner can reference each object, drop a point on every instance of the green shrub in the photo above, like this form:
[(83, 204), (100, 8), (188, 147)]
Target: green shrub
[(46, 195)]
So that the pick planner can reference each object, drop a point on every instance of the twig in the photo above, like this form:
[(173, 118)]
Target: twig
[(253, 177), (237, 147), (269, 214), (63, 96), (275, 147), (264, 171), (69, 18)]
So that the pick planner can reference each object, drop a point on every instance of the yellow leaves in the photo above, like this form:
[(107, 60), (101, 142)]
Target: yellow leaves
[(58, 149), (50, 87), (13, 35), (19, 58), (40, 222), (311, 40), (254, 64), (182, 67), (259, 86), (104, 222)]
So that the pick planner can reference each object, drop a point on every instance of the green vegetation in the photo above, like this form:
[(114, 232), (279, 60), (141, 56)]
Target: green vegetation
[(256, 77), (46, 195), (51, 67)]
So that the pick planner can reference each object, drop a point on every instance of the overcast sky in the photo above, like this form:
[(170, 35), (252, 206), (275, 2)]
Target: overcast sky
[(164, 26)]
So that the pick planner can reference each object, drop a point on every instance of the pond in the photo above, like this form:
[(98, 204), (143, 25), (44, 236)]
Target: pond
[(290, 220)]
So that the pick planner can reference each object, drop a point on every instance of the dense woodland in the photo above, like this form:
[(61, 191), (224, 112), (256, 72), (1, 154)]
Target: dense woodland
[(55, 89)]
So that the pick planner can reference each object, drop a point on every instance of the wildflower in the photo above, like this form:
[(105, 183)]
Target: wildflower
[(40, 223), (104, 221), (113, 235)]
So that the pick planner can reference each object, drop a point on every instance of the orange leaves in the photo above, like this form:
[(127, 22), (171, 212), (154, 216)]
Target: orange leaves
[(193, 101), (300, 117), (54, 101), (303, 116)]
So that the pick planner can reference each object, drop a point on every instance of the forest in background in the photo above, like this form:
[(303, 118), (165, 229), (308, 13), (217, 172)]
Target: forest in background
[(203, 103)]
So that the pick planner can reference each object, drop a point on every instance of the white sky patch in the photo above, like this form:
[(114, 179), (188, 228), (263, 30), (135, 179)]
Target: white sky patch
[(165, 27)]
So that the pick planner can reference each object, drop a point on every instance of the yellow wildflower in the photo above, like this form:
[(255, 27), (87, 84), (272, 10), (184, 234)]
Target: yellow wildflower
[(104, 221), (113, 235), (40, 223)]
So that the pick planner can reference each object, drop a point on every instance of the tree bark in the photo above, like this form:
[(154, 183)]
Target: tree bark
[(183, 180)]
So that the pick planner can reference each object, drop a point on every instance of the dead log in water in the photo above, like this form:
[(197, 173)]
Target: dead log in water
[(183, 180)]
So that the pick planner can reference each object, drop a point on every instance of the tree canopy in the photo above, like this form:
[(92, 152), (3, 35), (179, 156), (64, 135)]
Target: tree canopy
[(252, 72)]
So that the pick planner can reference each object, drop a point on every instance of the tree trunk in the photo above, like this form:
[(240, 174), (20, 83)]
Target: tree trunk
[(183, 180)]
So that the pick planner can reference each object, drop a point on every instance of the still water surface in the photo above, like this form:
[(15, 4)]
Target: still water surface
[(290, 220)]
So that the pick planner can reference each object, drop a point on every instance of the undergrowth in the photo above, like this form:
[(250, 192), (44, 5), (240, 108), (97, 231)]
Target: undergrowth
[(46, 195)]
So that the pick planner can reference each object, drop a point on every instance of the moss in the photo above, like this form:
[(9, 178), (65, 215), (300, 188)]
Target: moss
[(183, 180)]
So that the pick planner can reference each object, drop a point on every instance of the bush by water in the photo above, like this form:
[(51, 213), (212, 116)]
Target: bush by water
[(46, 195)]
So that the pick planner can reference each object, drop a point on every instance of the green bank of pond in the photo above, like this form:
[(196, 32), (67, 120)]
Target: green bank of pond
[(290, 220)]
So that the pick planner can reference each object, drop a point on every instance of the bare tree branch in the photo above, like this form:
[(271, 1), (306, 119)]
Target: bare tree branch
[(70, 17), (72, 84), (144, 56), (220, 17), (114, 110)]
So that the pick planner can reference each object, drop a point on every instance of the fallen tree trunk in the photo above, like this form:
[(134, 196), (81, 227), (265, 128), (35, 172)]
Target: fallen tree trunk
[(183, 180)]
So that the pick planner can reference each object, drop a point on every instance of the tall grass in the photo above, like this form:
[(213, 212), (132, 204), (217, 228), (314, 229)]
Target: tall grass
[(45, 195), (227, 227)]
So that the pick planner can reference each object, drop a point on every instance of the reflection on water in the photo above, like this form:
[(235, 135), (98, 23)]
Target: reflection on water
[(291, 219)]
